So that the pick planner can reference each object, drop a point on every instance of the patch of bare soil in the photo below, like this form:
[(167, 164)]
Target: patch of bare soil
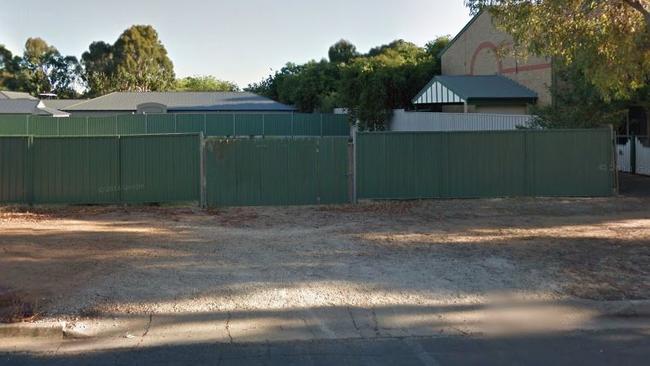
[(14, 308), (94, 260)]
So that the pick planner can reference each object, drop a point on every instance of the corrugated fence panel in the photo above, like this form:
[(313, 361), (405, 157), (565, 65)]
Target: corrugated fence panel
[(333, 170), (190, 123), (485, 164), (305, 124), (100, 170), (43, 126), (249, 125), (13, 169), (161, 123), (73, 126), (75, 170), (132, 124), (211, 124), (303, 171), (489, 164), (336, 125), (102, 126), (219, 124), (276, 171), (277, 125), (13, 125), (570, 163), (163, 168)]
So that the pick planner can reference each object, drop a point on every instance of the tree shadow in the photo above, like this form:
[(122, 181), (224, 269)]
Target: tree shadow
[(142, 260)]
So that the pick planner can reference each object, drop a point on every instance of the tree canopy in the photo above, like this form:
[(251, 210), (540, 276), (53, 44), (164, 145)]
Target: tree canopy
[(41, 69), (369, 85), (608, 40), (205, 83), (141, 62), (342, 52)]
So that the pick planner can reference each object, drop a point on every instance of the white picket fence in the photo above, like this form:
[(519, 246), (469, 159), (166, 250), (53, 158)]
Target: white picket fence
[(623, 158), (434, 121), (642, 157)]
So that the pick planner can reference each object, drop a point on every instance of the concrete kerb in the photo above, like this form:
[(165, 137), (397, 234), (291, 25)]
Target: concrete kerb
[(606, 313), (34, 330)]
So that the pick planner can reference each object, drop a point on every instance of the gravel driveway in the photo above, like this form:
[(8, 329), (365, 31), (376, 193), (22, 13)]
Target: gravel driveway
[(64, 262)]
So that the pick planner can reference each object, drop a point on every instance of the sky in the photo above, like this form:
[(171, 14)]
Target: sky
[(236, 40)]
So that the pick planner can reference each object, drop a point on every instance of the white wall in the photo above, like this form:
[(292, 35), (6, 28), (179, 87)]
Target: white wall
[(435, 121)]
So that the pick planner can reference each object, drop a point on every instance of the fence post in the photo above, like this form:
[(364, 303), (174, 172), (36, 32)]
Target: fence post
[(321, 125), (29, 170), (614, 151), (263, 126), (633, 154), (87, 126), (146, 124), (355, 142), (27, 125), (292, 133), (202, 178), (175, 123), (205, 124), (234, 126), (120, 185)]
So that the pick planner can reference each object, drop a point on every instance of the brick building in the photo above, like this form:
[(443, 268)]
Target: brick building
[(481, 50)]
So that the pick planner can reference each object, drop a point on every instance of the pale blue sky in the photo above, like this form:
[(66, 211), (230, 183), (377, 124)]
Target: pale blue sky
[(235, 40)]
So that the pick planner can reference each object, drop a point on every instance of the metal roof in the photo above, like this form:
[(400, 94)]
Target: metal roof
[(182, 101), (62, 103), (473, 88), (28, 106), (5, 94)]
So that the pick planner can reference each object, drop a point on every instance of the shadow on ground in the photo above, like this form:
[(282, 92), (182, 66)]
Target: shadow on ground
[(584, 348)]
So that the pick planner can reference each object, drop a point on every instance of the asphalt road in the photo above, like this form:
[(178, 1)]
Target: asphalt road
[(581, 348)]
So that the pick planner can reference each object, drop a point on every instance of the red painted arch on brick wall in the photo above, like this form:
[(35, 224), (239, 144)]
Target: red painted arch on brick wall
[(481, 47), (501, 70)]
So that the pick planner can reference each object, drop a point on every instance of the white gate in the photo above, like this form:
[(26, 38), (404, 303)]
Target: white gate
[(642, 158), (623, 160)]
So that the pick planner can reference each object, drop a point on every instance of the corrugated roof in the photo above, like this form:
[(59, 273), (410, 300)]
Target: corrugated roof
[(62, 103), (478, 87), (182, 101), (27, 106), (5, 94)]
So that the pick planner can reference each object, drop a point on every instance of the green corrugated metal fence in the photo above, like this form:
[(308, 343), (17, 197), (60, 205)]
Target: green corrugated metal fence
[(100, 170), (13, 169), (211, 124), (403, 165), (276, 171)]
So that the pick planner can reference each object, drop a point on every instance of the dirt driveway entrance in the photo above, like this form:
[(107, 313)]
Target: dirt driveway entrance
[(67, 262)]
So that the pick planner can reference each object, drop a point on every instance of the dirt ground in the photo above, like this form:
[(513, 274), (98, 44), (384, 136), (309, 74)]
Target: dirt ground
[(65, 262)]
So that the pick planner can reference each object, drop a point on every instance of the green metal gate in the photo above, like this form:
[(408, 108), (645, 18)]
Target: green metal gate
[(282, 171), (412, 165)]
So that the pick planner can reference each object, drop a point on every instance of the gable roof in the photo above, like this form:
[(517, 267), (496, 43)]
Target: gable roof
[(6, 94), (28, 106), (62, 103), (182, 101), (466, 27), (473, 88)]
